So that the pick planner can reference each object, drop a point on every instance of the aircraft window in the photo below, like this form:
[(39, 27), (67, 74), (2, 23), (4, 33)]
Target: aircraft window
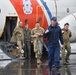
[(0, 10), (67, 10)]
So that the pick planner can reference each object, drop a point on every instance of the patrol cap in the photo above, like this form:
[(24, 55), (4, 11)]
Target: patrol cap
[(54, 19)]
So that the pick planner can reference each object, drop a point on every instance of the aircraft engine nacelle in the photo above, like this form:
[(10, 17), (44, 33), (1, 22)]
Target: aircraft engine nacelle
[(71, 19)]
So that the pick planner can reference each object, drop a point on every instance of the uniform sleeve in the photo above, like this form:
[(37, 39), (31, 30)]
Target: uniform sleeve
[(14, 33), (42, 32), (32, 33), (70, 35), (61, 37), (23, 35)]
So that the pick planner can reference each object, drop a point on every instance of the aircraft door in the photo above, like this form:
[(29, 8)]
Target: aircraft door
[(10, 24)]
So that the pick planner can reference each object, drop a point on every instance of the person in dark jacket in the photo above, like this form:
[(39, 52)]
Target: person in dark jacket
[(27, 41), (53, 34)]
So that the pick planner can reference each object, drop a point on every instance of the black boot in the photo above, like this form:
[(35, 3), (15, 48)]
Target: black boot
[(57, 71)]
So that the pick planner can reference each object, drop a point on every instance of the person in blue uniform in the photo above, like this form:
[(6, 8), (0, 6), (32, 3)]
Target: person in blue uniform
[(53, 34)]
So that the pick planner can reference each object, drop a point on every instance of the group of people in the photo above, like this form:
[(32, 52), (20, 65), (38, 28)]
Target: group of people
[(53, 33), (23, 36)]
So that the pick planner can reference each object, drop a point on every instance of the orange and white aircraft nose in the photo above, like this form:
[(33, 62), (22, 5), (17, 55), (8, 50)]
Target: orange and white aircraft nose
[(31, 10)]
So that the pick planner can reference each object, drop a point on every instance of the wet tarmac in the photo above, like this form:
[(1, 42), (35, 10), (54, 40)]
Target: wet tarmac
[(29, 67)]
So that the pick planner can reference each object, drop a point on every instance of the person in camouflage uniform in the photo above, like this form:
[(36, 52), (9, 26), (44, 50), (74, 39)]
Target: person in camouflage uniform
[(66, 36), (19, 37), (36, 34), (27, 41)]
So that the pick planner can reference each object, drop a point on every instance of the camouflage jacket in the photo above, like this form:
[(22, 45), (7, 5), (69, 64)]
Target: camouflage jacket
[(66, 35), (18, 33), (35, 30)]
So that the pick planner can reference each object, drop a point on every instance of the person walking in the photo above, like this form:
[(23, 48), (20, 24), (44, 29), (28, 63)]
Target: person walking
[(53, 34), (19, 37), (66, 36), (27, 41), (36, 34)]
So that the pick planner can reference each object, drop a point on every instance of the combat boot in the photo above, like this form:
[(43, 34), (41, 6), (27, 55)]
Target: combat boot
[(57, 71), (39, 61)]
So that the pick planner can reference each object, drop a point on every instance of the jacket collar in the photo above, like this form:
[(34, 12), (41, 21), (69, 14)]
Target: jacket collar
[(54, 26)]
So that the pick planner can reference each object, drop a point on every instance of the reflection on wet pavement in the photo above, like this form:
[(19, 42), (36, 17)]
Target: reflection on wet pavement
[(29, 67)]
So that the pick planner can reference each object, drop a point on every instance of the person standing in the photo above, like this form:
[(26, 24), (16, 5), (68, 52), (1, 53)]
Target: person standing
[(53, 34), (66, 36), (27, 41), (36, 34), (19, 37)]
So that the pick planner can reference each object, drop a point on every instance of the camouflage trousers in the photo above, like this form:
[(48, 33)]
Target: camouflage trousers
[(65, 55), (38, 49), (20, 45)]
